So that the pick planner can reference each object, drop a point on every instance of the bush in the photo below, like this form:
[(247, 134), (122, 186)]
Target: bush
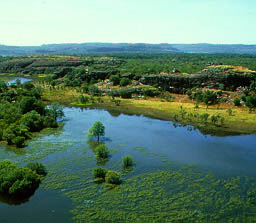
[(113, 177), (251, 102), (49, 122), (84, 99), (93, 90), (55, 111), (99, 172), (39, 168), (115, 79), (12, 133), (214, 119), (19, 141), (204, 117), (222, 87), (229, 111), (33, 121), (117, 102), (151, 92), (102, 151), (243, 98), (126, 93), (28, 86), (237, 102), (127, 162), (124, 82), (189, 92), (17, 181)]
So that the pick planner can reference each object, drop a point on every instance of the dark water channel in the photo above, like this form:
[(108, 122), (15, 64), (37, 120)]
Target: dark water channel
[(152, 143)]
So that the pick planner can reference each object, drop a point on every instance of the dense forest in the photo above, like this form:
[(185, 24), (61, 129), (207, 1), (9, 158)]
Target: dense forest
[(126, 63)]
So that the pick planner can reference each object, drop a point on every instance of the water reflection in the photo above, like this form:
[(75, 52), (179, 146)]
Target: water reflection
[(190, 128), (11, 200), (43, 206)]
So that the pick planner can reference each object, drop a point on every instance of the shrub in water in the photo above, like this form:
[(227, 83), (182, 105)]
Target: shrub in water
[(39, 168), (127, 162), (113, 177), (102, 151), (99, 172)]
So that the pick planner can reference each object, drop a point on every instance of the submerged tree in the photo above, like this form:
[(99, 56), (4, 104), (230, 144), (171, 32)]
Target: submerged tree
[(55, 110), (97, 130)]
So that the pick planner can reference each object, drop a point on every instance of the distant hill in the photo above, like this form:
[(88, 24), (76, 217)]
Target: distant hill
[(216, 48), (103, 48)]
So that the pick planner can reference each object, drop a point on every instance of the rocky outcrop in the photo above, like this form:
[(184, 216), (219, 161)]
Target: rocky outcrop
[(211, 77)]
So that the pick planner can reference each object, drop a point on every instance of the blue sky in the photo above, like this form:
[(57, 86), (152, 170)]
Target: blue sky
[(36, 22)]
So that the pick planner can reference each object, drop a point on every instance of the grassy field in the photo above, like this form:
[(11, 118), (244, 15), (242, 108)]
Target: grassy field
[(180, 110)]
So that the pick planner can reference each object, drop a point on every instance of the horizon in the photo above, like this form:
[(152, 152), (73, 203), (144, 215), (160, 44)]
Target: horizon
[(45, 44), (30, 23)]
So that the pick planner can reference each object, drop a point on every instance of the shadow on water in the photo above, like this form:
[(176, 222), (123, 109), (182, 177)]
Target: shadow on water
[(11, 200), (43, 206)]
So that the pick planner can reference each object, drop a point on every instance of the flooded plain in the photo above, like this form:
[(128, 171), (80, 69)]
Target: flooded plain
[(180, 175)]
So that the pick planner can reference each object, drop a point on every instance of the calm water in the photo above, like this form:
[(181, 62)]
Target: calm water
[(150, 142)]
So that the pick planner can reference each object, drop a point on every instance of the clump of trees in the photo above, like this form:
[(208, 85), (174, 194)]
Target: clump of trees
[(109, 176), (207, 97), (17, 181), (22, 112)]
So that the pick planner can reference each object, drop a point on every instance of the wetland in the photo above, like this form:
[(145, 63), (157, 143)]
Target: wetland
[(180, 175)]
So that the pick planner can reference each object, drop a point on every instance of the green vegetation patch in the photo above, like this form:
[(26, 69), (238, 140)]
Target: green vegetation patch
[(17, 181), (181, 195)]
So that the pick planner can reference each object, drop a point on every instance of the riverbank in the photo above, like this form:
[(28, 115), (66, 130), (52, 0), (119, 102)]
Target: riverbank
[(180, 110)]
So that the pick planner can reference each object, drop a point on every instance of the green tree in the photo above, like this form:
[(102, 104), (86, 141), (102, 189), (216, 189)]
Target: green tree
[(33, 121), (204, 117), (251, 102), (115, 79), (125, 81), (97, 130)]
